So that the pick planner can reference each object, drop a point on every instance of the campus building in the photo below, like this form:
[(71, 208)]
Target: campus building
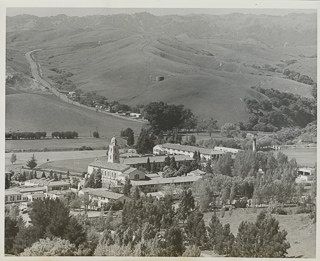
[(178, 149), (113, 172)]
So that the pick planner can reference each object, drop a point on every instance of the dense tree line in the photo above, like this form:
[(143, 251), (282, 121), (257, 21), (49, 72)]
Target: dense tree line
[(64, 135), (281, 110), (25, 135)]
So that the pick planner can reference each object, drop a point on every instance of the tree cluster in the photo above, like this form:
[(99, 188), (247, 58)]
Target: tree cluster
[(163, 117), (25, 135), (64, 135), (281, 110), (129, 135)]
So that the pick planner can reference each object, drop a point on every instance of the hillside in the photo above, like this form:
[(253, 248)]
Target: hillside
[(208, 62), (34, 112)]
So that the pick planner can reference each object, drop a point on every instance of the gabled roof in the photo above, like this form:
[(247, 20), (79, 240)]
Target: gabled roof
[(109, 165), (9, 192), (164, 181)]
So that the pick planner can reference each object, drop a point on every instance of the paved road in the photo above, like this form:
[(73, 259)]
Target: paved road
[(36, 73)]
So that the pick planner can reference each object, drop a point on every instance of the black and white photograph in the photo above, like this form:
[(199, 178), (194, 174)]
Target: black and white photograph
[(160, 131)]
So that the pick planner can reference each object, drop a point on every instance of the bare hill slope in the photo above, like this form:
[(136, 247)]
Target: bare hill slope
[(208, 62)]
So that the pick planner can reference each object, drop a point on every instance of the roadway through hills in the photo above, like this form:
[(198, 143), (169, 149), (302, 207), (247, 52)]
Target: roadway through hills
[(37, 75)]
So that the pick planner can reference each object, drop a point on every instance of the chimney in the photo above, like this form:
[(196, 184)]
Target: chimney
[(254, 145)]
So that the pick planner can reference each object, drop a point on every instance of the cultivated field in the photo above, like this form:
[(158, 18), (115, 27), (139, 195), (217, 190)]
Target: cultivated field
[(301, 230)]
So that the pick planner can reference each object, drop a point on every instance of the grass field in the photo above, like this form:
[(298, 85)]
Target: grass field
[(304, 156), (301, 230), (34, 112), (75, 159)]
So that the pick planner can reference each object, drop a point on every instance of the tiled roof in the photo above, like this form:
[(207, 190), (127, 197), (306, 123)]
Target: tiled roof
[(109, 165), (128, 171), (33, 189), (157, 159), (164, 181), (190, 148), (9, 192), (102, 192)]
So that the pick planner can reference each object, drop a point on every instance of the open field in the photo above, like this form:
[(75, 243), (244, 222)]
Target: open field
[(73, 157), (301, 230), (304, 156), (34, 112), (58, 144)]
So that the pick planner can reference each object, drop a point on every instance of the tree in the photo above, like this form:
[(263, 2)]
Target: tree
[(51, 247), (144, 143), (174, 242), (148, 165), (95, 134), (126, 187), (162, 116), (43, 174), (264, 235), (7, 180), (11, 230), (32, 163), (186, 205), (128, 133), (60, 176), (214, 231), (49, 217), (25, 238), (224, 165), (75, 232), (196, 230), (229, 130), (13, 158), (55, 176), (192, 251)]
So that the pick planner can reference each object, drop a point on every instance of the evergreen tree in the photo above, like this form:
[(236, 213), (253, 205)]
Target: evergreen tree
[(43, 174), (153, 167), (55, 176), (264, 235), (208, 167), (51, 174), (32, 163), (173, 164), (148, 165), (174, 242), (130, 139), (60, 176), (186, 205), (68, 174), (196, 230)]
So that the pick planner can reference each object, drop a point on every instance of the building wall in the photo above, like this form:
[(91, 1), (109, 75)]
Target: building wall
[(14, 198)]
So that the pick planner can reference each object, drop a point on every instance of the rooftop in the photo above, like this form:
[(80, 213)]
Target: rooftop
[(9, 192), (157, 159), (109, 165), (102, 192), (163, 181), (190, 148)]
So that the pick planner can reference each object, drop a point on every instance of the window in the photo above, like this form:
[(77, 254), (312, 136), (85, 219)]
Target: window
[(6, 198), (11, 198), (19, 197)]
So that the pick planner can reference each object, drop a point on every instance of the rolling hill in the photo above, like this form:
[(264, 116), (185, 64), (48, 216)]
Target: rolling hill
[(208, 62), (46, 112)]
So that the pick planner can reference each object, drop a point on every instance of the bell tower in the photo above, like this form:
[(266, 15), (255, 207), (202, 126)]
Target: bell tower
[(113, 154)]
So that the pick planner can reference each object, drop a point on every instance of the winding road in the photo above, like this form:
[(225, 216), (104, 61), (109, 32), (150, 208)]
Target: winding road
[(36, 73)]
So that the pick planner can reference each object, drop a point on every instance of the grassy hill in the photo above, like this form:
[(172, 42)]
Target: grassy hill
[(208, 62), (33, 112)]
